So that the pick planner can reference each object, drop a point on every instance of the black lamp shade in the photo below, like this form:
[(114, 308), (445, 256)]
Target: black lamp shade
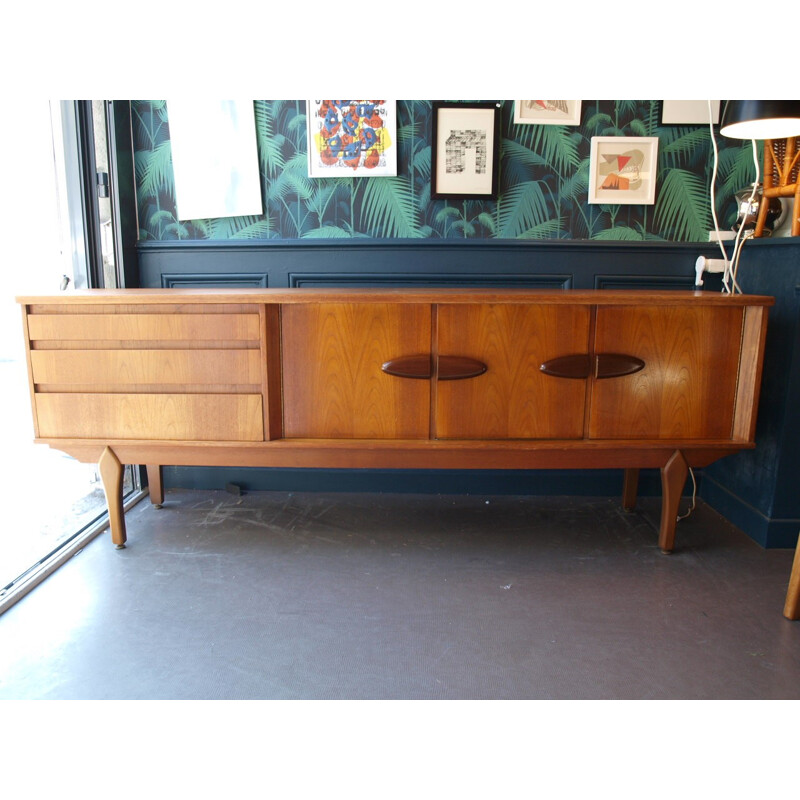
[(760, 119)]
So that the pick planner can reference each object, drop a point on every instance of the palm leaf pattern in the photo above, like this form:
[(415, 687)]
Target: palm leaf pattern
[(388, 207), (543, 170), (682, 208)]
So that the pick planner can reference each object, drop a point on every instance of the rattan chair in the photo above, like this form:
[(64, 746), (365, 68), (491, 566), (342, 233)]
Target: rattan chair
[(792, 608), (781, 167)]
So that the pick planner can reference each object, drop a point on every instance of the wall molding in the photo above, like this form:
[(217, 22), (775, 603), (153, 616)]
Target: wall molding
[(197, 280), (316, 263)]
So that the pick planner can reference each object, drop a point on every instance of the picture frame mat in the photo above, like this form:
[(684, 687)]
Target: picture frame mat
[(604, 146)]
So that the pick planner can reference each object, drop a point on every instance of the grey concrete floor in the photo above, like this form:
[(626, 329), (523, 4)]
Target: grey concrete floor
[(356, 596)]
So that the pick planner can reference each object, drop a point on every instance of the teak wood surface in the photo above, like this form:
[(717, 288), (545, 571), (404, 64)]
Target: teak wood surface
[(294, 378), (692, 361), (333, 386), (514, 399)]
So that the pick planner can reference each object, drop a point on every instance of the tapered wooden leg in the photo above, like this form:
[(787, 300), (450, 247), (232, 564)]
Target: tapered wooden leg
[(155, 484), (630, 488), (673, 479), (111, 472), (792, 608)]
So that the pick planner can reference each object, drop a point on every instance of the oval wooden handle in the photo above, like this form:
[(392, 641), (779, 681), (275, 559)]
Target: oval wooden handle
[(456, 368), (409, 367), (615, 365), (451, 368), (583, 365), (578, 365)]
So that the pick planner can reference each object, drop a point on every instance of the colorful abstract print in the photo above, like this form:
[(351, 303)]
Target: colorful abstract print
[(350, 135)]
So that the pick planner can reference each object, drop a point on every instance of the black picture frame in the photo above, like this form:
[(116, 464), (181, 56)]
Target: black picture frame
[(472, 167)]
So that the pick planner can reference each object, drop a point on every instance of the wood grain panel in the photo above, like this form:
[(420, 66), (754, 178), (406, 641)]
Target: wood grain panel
[(513, 398), (215, 307), (406, 453), (144, 327), (479, 295), (174, 417), (687, 387), (271, 371), (126, 368), (333, 383), (754, 338)]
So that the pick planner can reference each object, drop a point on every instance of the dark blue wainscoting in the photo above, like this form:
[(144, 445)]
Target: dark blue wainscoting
[(748, 488), (759, 490), (413, 262)]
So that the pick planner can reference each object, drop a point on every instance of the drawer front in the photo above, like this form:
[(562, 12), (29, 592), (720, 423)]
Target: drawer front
[(170, 417), (144, 327), (124, 370)]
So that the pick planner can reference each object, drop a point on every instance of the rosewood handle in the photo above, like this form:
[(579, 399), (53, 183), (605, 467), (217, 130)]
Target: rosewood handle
[(456, 368), (583, 365), (409, 367), (574, 366), (451, 368), (615, 365)]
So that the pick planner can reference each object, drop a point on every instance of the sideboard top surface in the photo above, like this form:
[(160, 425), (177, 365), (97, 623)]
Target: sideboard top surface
[(441, 296)]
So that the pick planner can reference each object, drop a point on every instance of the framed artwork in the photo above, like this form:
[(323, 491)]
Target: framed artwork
[(688, 112), (622, 169), (214, 158), (466, 146), (351, 138), (547, 112)]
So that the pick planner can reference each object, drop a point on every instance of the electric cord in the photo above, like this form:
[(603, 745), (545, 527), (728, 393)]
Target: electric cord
[(730, 284), (741, 235), (714, 181), (694, 498)]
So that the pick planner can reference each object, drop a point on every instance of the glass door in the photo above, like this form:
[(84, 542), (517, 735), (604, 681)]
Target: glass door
[(62, 220)]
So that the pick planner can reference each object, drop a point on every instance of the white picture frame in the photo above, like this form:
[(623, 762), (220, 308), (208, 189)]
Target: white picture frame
[(689, 112), (351, 138), (623, 169), (547, 112)]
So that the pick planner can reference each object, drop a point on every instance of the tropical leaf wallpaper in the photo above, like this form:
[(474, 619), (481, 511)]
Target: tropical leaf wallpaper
[(544, 179)]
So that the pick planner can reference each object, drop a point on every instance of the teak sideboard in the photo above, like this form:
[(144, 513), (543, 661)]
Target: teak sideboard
[(417, 379)]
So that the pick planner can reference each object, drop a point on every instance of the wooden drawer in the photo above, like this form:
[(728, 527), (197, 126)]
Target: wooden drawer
[(169, 417), (140, 370), (144, 328)]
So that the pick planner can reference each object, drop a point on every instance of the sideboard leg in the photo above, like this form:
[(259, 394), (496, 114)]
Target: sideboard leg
[(673, 478), (155, 484), (630, 489), (111, 472), (792, 608)]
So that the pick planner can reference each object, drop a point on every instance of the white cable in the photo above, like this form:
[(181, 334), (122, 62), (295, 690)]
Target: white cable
[(694, 497), (741, 235), (713, 182), (755, 161)]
